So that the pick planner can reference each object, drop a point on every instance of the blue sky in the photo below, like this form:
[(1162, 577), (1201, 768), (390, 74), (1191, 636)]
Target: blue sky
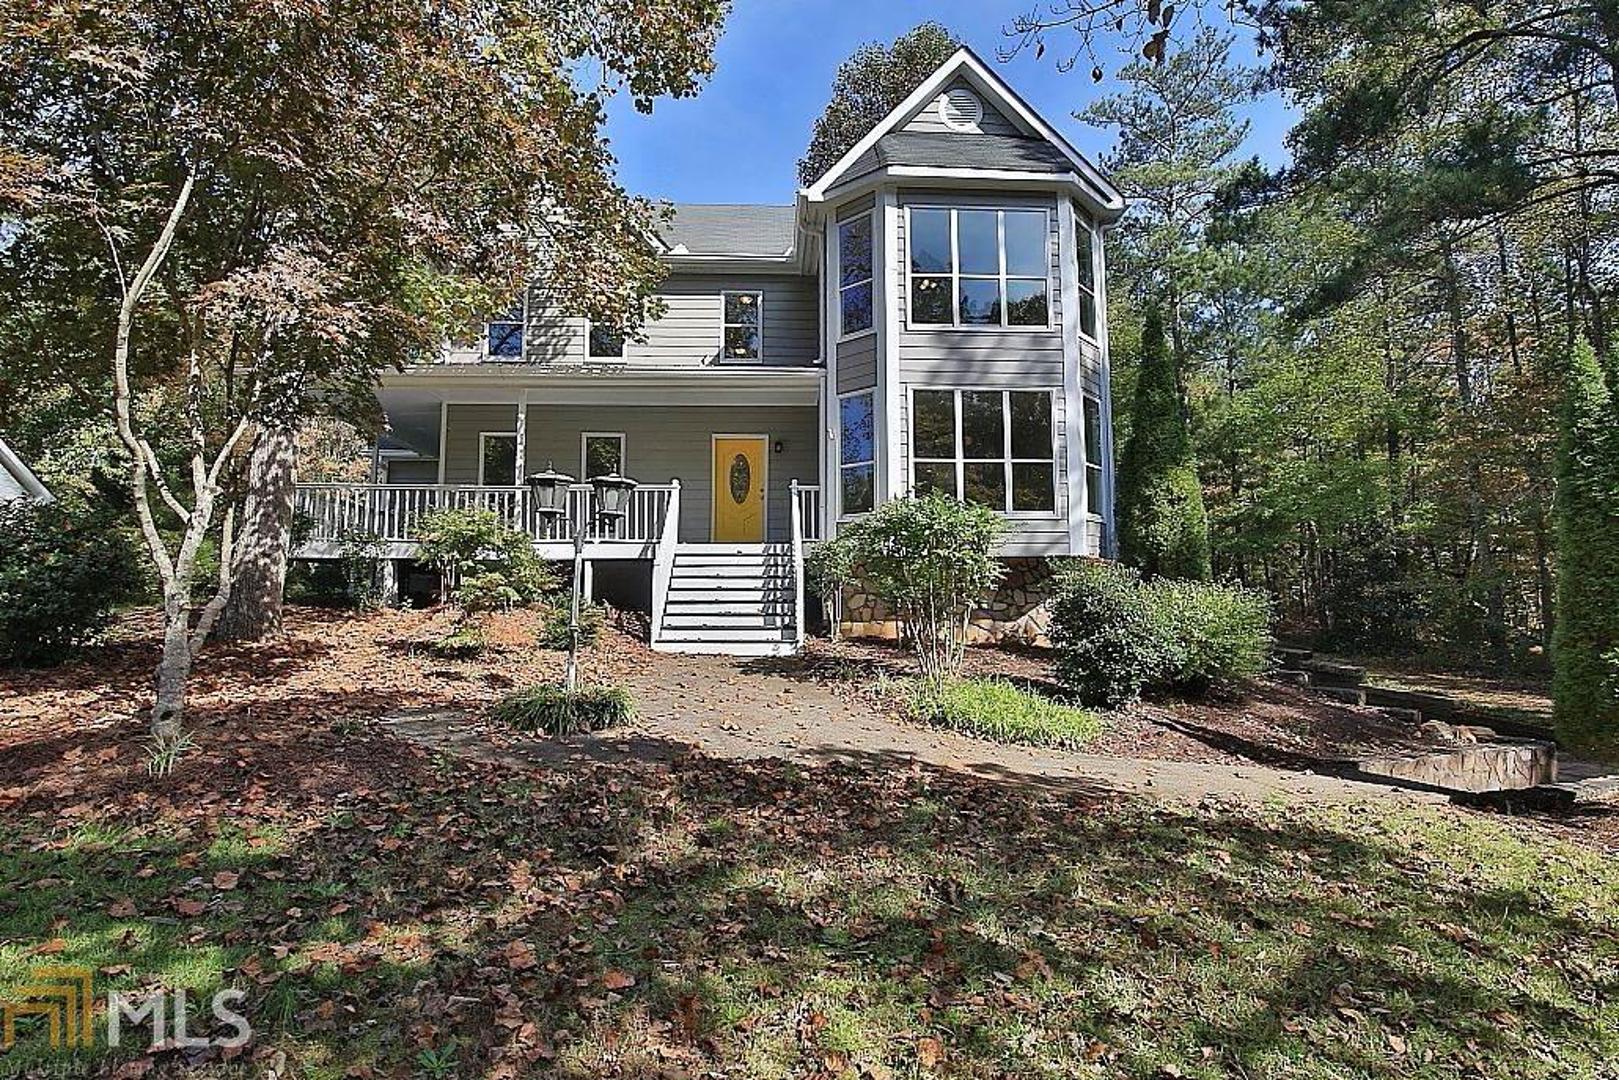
[(739, 140)]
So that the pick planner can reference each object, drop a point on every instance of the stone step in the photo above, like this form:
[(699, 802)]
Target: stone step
[(1404, 716), (1292, 658), (1291, 678)]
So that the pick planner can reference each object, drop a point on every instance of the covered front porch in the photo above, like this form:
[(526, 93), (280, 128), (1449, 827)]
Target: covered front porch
[(727, 468)]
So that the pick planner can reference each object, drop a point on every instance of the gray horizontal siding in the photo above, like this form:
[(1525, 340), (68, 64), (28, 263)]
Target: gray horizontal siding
[(927, 120), (857, 364), (690, 331), (660, 443), (415, 472)]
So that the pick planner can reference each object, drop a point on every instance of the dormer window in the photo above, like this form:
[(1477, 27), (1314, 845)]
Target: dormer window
[(504, 335), (972, 267)]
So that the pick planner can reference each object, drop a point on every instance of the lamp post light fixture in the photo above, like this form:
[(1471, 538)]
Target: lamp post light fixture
[(609, 503)]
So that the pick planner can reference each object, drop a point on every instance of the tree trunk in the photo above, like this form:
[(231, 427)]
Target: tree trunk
[(173, 673), (260, 566)]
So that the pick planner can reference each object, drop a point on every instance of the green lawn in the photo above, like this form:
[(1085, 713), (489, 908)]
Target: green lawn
[(422, 917)]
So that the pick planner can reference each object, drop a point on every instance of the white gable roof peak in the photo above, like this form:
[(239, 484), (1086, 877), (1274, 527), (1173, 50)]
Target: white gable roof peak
[(965, 64)]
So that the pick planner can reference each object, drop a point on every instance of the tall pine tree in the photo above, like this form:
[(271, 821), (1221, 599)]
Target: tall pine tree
[(1163, 527), (1585, 646)]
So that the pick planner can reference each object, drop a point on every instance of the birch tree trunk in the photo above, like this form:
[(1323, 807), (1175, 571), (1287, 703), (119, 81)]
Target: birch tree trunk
[(260, 572)]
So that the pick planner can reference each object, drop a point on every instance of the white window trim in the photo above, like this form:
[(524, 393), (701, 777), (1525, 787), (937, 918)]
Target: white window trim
[(724, 326), (522, 355), (955, 274), (1082, 221), (584, 440), (1085, 399), (484, 436), (591, 355), (959, 461), (837, 278), (840, 464)]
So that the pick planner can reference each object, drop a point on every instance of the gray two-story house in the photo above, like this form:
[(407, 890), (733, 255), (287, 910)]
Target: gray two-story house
[(929, 315)]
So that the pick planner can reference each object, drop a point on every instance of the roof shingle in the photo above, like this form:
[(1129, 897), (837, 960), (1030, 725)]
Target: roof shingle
[(730, 229)]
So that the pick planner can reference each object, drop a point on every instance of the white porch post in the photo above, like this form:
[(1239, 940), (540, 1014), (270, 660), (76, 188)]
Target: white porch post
[(521, 430)]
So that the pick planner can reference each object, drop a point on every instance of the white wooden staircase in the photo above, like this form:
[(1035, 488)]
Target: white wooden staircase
[(733, 599)]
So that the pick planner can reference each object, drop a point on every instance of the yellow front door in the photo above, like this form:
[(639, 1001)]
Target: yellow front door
[(739, 488)]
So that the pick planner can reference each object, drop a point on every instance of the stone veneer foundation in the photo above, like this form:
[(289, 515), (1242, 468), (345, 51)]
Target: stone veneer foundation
[(1020, 610)]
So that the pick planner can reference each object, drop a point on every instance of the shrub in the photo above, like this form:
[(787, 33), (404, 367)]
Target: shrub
[(476, 542), (1116, 635), (465, 641), (999, 710), (1108, 645), (931, 560), (61, 573), (352, 580), (553, 632), (1217, 632), (551, 710), (828, 567)]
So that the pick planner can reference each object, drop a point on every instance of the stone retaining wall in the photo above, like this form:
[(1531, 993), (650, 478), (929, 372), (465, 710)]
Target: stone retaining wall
[(1498, 766), (1020, 610)]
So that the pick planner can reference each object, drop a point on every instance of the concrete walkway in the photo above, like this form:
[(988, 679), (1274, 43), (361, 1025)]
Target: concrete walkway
[(727, 708)]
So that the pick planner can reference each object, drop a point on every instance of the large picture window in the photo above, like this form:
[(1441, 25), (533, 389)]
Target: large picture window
[(854, 275), (497, 458), (996, 448), (857, 453), (744, 325), (1093, 456), (974, 267)]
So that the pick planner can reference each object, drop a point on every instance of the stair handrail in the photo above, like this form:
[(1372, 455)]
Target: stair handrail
[(663, 563), (797, 515)]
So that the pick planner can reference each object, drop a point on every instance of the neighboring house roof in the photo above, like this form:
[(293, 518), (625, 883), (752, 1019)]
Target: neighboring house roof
[(963, 151), (730, 229), (17, 480)]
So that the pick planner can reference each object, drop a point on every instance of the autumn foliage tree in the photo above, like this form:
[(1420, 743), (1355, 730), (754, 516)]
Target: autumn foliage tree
[(255, 208)]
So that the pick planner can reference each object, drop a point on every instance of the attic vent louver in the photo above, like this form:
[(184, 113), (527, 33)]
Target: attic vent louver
[(961, 110)]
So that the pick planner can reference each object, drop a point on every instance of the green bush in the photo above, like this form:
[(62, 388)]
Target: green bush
[(1108, 644), (1216, 632), (352, 580), (551, 710), (553, 632), (1116, 635), (473, 550), (930, 560), (999, 710), (465, 641), (828, 567), (61, 574)]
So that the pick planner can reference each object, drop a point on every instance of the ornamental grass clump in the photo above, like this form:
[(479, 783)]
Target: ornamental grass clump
[(549, 709), (1000, 710)]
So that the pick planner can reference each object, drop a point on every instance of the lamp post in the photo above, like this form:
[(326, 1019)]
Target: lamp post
[(610, 496)]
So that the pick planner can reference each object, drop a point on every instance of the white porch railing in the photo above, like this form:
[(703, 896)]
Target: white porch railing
[(808, 506), (392, 512)]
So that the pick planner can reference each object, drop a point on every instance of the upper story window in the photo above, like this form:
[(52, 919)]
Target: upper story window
[(854, 275), (857, 453), (744, 325), (992, 447), (504, 335), (973, 267), (606, 343), (1085, 235), (1093, 456)]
